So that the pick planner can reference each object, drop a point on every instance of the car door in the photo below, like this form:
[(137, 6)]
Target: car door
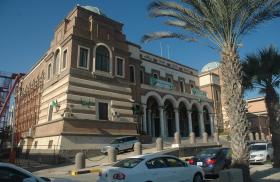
[(11, 175), (178, 169), (158, 171)]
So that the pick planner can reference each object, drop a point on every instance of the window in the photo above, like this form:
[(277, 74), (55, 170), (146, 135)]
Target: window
[(128, 163), (103, 111), (141, 76), (83, 57), (155, 75), (131, 74), (56, 62), (102, 59), (156, 163), (120, 67), (9, 175), (50, 113), (169, 79), (50, 144), (182, 86), (64, 59), (49, 71), (172, 162)]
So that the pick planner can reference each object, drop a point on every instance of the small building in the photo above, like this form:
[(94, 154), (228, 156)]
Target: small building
[(93, 85)]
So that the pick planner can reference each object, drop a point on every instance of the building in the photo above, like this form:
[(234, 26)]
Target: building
[(92, 84), (257, 115)]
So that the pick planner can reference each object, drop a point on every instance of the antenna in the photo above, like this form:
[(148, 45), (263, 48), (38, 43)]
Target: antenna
[(160, 49)]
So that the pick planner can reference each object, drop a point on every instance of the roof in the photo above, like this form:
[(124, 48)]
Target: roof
[(210, 66)]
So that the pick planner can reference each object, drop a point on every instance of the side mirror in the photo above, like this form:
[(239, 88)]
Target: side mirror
[(31, 179)]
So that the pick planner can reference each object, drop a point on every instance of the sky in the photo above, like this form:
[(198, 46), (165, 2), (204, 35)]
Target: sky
[(27, 28)]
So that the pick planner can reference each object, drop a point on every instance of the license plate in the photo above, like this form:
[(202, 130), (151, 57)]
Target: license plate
[(199, 163)]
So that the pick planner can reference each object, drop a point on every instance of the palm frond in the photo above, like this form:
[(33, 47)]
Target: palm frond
[(160, 35)]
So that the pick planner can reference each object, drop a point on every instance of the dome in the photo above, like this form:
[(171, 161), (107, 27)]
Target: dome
[(94, 9), (210, 66)]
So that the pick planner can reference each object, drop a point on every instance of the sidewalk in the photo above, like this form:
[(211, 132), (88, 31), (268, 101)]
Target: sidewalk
[(264, 173)]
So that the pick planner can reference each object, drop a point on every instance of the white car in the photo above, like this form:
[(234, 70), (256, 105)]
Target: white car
[(121, 144), (260, 152), (12, 173), (151, 168)]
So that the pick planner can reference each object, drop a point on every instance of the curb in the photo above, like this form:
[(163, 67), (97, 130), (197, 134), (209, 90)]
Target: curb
[(84, 171)]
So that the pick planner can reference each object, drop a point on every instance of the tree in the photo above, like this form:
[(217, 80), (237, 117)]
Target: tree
[(262, 72), (223, 23)]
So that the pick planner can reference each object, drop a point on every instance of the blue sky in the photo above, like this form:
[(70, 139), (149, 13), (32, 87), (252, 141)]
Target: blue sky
[(27, 29)]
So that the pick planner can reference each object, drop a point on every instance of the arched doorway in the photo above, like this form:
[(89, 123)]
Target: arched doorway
[(195, 120), (153, 121), (170, 118), (183, 120), (207, 122)]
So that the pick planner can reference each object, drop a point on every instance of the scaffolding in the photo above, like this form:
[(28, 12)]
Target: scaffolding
[(8, 82), (27, 107)]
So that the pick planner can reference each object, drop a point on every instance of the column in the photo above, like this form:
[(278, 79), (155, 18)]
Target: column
[(144, 119), (161, 122), (212, 124), (201, 123), (190, 121), (177, 120), (149, 129)]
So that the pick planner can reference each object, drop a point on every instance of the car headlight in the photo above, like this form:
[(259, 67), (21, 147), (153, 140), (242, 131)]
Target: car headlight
[(260, 155)]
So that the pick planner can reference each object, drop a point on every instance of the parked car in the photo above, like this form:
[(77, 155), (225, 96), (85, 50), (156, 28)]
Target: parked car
[(212, 160), (121, 144), (260, 152), (151, 168), (12, 173)]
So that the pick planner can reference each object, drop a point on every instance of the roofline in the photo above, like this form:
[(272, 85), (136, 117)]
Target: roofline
[(134, 44), (168, 60), (255, 99)]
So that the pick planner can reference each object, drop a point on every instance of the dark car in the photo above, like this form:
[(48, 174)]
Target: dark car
[(212, 160)]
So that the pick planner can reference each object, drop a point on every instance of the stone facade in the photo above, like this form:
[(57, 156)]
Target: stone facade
[(85, 102)]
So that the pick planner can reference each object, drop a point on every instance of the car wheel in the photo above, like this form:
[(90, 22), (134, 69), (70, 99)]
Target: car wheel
[(197, 178)]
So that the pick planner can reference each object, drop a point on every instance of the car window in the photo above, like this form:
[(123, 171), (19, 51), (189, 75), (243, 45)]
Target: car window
[(156, 163), (128, 163), (269, 146), (11, 175), (225, 152), (211, 152), (257, 147), (172, 162)]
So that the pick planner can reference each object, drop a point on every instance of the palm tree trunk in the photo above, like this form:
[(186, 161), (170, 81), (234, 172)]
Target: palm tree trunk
[(271, 101), (235, 108)]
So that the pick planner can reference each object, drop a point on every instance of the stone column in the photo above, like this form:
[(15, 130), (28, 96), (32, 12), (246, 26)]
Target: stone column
[(161, 121), (211, 116), (177, 120), (190, 121), (145, 119), (149, 129), (201, 123)]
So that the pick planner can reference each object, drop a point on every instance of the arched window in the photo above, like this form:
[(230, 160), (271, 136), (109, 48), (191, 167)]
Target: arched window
[(131, 74), (56, 62), (102, 59), (155, 75)]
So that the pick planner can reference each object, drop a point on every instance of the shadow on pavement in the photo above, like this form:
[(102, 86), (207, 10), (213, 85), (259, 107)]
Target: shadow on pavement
[(266, 175)]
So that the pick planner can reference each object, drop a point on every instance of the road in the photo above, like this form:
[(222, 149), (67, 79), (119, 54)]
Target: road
[(259, 173)]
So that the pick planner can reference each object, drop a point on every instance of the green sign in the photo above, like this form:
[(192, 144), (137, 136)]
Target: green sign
[(199, 93), (161, 84)]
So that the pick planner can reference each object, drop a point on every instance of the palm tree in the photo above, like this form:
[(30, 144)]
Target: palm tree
[(223, 23), (262, 72)]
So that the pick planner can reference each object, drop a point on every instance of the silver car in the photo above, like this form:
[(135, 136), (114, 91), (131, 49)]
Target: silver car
[(260, 152), (121, 144)]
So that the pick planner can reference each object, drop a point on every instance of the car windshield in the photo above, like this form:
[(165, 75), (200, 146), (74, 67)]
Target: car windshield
[(128, 163), (208, 153), (115, 141), (257, 147)]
